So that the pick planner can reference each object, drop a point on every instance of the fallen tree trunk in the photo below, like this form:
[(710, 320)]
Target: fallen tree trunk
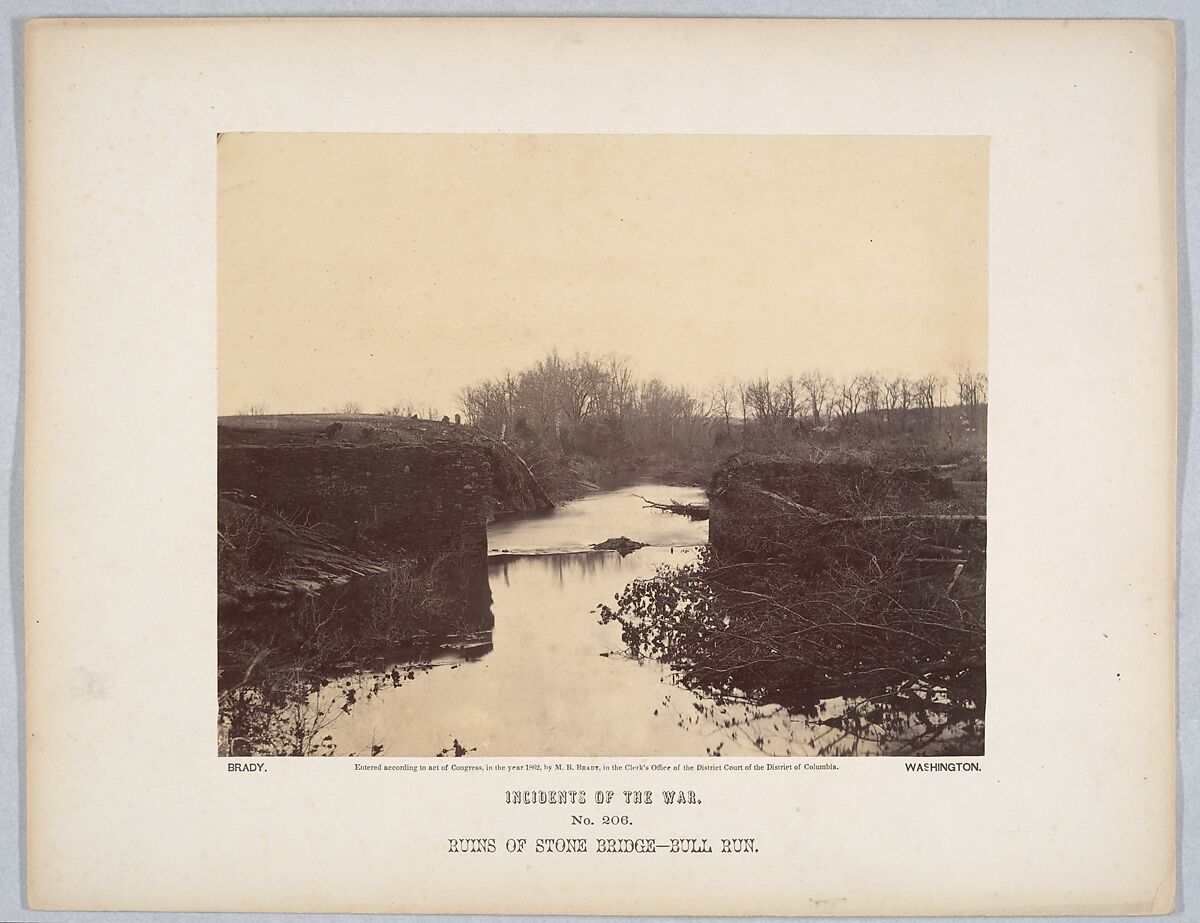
[(694, 511), (822, 519), (907, 517)]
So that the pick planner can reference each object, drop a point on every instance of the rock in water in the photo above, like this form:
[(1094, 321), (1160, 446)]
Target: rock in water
[(622, 545)]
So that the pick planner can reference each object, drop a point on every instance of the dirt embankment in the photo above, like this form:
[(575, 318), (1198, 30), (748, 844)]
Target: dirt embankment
[(315, 500), (267, 561), (350, 462), (827, 580), (761, 505)]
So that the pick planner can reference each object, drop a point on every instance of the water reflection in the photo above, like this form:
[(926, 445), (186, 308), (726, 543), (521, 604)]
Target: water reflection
[(578, 525), (554, 681)]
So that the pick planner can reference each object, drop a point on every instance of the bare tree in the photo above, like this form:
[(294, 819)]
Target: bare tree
[(582, 383), (892, 388), (724, 397), (761, 399), (972, 387), (621, 391), (972, 391), (872, 397), (871, 391), (849, 398), (787, 400), (816, 391)]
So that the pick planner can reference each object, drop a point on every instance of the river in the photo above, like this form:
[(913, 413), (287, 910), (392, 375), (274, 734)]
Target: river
[(555, 682)]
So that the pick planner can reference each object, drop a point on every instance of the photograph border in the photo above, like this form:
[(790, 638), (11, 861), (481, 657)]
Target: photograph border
[(11, 419)]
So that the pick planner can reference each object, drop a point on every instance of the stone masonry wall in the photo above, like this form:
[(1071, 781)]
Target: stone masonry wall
[(421, 497)]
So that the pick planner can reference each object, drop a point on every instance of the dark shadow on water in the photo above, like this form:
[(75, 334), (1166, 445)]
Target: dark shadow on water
[(575, 563)]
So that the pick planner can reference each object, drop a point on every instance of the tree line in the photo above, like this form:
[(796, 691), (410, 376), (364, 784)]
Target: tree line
[(589, 404), (813, 400), (596, 405)]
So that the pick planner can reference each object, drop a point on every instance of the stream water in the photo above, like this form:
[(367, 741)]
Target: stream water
[(555, 682)]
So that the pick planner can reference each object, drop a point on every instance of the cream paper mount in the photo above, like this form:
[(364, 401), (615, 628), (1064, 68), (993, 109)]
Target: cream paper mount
[(236, 222)]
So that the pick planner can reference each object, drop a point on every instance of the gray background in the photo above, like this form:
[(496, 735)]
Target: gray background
[(1187, 17)]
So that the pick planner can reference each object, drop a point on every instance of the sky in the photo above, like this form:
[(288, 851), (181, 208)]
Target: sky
[(388, 269)]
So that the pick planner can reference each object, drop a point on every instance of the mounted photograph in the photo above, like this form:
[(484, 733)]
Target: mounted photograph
[(601, 445)]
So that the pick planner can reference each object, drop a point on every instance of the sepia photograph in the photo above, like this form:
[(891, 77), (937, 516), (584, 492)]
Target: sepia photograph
[(598, 443), (601, 445)]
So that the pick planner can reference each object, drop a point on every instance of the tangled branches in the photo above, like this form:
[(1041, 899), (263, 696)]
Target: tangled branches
[(278, 694), (796, 605)]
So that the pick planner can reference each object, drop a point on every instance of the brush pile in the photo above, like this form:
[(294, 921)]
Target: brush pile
[(823, 580)]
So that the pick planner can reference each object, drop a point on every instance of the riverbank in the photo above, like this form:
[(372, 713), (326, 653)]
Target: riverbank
[(341, 540), (843, 591), (311, 504), (299, 604), (267, 561), (830, 581), (949, 441)]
